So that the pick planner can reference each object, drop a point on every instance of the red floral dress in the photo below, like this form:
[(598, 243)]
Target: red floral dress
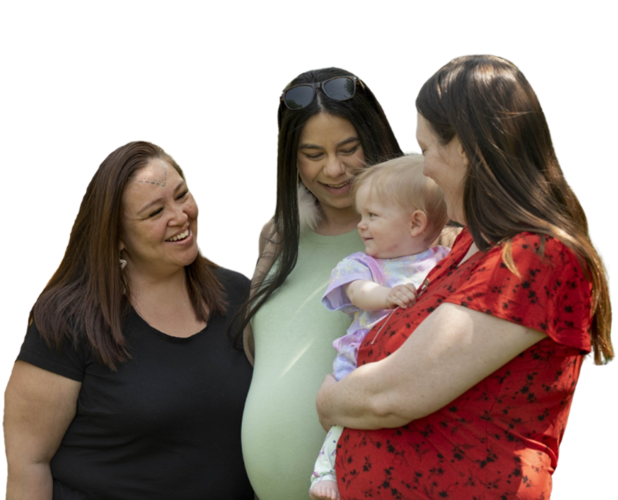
[(500, 438)]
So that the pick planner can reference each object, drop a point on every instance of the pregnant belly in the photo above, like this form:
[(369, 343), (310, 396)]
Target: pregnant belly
[(281, 434)]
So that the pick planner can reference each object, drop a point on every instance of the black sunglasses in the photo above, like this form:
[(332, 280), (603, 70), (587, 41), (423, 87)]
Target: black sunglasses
[(340, 88)]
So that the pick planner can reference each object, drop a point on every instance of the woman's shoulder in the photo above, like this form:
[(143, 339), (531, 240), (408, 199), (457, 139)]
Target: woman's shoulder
[(268, 229), (526, 254), (232, 280), (268, 235), (542, 249), (68, 359)]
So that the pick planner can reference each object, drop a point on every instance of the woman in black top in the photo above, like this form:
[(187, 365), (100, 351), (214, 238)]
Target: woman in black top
[(127, 385)]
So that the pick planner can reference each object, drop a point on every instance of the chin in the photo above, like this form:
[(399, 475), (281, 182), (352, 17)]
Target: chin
[(190, 259)]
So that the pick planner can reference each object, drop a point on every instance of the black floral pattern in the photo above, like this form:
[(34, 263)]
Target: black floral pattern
[(500, 438)]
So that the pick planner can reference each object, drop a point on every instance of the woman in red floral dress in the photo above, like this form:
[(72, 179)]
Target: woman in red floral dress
[(466, 395)]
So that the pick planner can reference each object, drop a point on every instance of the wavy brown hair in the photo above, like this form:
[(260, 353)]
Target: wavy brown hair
[(85, 299), (514, 182)]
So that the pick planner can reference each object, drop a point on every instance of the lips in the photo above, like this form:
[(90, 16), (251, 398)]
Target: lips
[(180, 236), (338, 186)]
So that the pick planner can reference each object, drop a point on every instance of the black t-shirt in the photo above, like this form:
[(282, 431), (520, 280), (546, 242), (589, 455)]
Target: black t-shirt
[(166, 424)]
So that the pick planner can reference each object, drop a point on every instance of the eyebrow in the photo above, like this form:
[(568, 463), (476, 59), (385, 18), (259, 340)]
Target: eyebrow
[(339, 144), (160, 200)]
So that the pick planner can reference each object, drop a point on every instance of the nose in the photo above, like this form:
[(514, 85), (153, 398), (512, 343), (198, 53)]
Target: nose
[(334, 167), (179, 216), (362, 225)]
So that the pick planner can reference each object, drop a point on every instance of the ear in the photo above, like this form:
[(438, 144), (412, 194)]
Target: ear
[(418, 223), (462, 152)]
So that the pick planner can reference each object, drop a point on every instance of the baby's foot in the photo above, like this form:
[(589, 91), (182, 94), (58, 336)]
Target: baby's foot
[(324, 490)]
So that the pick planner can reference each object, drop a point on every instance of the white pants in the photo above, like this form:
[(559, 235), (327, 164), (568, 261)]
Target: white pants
[(324, 467)]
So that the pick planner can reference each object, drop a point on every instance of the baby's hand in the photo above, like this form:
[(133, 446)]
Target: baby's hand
[(402, 296)]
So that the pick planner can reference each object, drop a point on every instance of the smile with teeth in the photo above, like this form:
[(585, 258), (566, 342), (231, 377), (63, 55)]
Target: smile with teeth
[(338, 186), (179, 237)]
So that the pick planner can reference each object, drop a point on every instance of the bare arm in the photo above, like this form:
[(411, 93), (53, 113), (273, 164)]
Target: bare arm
[(267, 253), (369, 296), (452, 350), (39, 406)]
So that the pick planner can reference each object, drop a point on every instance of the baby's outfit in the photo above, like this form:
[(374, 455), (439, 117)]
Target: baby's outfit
[(386, 272)]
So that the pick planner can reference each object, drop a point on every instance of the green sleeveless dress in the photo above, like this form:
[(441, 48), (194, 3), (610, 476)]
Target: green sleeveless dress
[(293, 332)]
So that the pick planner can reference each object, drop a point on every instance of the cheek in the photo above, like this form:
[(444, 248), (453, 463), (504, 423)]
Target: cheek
[(358, 159), (433, 169), (193, 210), (304, 169)]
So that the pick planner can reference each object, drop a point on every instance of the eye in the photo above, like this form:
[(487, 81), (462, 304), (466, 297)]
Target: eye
[(315, 156), (372, 215), (182, 195), (351, 151), (155, 213)]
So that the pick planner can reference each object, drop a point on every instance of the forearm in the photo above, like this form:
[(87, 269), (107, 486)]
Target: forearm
[(359, 401), (451, 351), (29, 481), (367, 295)]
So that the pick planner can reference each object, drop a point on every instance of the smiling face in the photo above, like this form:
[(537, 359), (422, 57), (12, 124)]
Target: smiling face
[(329, 151), (159, 223), (387, 230), (446, 165)]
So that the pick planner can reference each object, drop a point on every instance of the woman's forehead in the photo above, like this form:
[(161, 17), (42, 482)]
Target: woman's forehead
[(155, 173), (151, 182)]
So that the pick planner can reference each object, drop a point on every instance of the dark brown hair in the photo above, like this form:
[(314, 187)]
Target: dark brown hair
[(514, 182), (85, 299), (377, 139)]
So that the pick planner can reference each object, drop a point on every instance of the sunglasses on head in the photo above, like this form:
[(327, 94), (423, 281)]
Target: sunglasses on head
[(339, 88)]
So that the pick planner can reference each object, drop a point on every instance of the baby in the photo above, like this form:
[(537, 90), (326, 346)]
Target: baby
[(402, 213)]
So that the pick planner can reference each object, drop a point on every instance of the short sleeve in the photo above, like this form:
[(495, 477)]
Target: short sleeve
[(551, 294), (71, 362), (354, 267)]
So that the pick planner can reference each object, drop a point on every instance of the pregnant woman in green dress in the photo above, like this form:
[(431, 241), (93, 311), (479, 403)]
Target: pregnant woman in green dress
[(330, 125)]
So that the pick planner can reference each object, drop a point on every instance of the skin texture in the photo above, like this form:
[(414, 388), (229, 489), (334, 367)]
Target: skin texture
[(450, 352), (39, 406), (387, 230), (370, 296), (158, 206), (446, 165), (324, 490), (329, 153)]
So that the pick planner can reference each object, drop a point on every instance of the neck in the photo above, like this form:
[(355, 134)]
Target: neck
[(159, 289), (337, 221)]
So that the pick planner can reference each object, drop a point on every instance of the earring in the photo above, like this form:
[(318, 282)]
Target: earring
[(123, 263)]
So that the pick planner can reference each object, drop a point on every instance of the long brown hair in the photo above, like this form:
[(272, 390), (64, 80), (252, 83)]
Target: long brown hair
[(514, 182), (85, 299)]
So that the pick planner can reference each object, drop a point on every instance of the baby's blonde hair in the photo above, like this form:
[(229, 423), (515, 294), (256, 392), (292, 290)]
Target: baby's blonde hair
[(401, 182)]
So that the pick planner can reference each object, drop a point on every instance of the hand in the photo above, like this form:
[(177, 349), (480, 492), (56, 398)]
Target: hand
[(328, 382), (402, 296)]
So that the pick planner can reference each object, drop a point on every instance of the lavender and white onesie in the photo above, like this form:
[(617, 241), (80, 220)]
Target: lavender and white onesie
[(386, 272)]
